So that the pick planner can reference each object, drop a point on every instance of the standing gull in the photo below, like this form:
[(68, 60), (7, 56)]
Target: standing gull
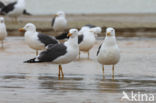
[(59, 22), (87, 39), (36, 40), (14, 9), (60, 53), (108, 52), (3, 31)]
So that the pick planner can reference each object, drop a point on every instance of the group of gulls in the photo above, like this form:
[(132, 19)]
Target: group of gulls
[(54, 51)]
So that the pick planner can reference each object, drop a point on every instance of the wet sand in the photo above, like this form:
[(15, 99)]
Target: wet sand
[(126, 25), (83, 81)]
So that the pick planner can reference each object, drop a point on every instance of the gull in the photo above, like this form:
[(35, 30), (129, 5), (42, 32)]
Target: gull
[(87, 39), (59, 22), (108, 52), (61, 53), (36, 40)]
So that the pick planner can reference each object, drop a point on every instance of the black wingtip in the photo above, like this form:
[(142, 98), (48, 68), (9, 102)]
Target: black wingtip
[(26, 13), (62, 36), (31, 61)]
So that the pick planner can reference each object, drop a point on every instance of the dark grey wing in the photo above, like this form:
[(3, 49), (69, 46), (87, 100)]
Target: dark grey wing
[(25, 12), (53, 21), (80, 39), (90, 26), (99, 49), (8, 8), (62, 36), (1, 5), (46, 39), (54, 51)]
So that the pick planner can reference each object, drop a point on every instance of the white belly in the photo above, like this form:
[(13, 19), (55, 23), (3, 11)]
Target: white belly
[(87, 44), (109, 56), (34, 43), (68, 57), (16, 12), (3, 33), (60, 24)]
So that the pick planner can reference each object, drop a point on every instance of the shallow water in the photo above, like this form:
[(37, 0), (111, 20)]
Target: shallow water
[(83, 81)]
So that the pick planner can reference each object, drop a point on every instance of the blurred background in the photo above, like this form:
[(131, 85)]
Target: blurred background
[(129, 17), (42, 7), (135, 25)]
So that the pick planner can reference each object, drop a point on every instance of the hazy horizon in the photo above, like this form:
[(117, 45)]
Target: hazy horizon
[(91, 6)]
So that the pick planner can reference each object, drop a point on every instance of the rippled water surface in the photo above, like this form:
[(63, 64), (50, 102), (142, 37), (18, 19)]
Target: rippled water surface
[(83, 81)]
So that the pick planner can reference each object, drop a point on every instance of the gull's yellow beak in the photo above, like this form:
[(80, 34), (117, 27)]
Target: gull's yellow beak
[(108, 34), (69, 35), (21, 30)]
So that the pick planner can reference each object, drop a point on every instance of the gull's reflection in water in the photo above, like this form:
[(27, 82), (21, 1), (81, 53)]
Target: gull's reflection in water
[(79, 83)]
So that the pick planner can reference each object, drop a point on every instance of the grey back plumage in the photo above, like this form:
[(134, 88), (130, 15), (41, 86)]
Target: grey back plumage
[(8, 8), (46, 39), (54, 51)]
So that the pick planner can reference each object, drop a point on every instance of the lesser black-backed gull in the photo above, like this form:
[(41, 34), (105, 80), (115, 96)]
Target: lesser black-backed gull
[(36, 40), (61, 53)]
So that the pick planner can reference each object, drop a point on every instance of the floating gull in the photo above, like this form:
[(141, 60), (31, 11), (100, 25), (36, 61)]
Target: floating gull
[(60, 53), (59, 22), (3, 31), (108, 52), (36, 40)]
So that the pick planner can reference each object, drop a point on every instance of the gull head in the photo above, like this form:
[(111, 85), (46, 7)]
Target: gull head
[(110, 31), (73, 33), (1, 20), (96, 30), (60, 13), (28, 27)]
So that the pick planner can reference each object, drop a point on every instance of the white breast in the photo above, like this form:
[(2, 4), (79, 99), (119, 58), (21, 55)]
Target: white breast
[(60, 24), (72, 53), (33, 42), (109, 56), (109, 53), (88, 41), (3, 32)]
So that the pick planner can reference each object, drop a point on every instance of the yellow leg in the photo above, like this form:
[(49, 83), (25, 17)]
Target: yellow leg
[(79, 54), (61, 72), (113, 72), (103, 69), (36, 52)]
